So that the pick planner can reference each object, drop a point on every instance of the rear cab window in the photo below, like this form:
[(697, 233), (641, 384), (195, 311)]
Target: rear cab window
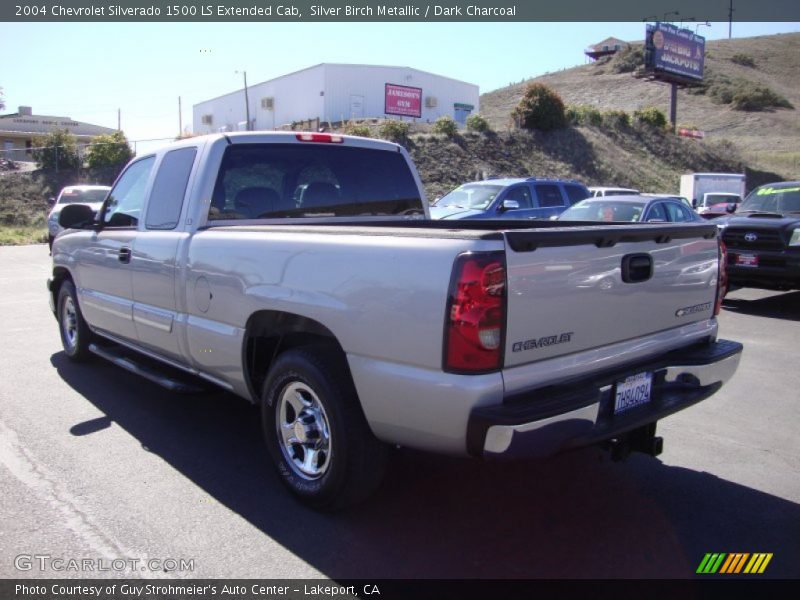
[(268, 181)]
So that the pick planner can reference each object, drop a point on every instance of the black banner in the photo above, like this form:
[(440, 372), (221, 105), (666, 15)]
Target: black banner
[(383, 589), (403, 11)]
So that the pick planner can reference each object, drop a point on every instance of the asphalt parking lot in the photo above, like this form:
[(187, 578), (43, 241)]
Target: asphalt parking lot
[(96, 463)]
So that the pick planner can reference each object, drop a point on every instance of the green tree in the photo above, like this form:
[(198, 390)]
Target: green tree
[(540, 108), (58, 150), (108, 151)]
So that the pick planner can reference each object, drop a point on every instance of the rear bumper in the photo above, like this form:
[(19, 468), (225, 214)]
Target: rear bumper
[(549, 420)]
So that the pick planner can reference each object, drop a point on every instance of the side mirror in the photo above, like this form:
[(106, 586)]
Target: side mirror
[(75, 215), (509, 205), (731, 208), (694, 203), (51, 200)]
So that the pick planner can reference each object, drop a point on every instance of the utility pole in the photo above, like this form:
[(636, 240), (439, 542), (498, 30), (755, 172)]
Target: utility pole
[(119, 119), (730, 20), (180, 118), (246, 102)]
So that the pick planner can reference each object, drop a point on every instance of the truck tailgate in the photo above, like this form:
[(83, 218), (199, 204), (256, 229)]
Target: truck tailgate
[(578, 288)]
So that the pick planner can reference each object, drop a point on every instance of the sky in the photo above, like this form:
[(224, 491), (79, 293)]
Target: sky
[(87, 71)]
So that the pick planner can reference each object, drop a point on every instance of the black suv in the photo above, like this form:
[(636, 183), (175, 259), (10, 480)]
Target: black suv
[(763, 238)]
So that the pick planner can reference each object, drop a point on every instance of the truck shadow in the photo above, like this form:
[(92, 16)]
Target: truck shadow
[(784, 306), (577, 515)]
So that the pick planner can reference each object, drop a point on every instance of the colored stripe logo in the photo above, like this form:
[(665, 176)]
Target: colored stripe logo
[(734, 563)]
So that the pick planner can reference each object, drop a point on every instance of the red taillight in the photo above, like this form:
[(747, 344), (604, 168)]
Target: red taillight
[(722, 277), (325, 138), (476, 314)]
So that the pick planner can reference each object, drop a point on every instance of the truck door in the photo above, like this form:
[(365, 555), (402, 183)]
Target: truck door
[(154, 261), (104, 263)]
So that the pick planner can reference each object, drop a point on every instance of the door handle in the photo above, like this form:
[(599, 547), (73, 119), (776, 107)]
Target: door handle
[(124, 255)]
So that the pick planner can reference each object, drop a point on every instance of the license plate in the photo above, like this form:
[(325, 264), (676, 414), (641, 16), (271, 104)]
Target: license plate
[(632, 391), (746, 260)]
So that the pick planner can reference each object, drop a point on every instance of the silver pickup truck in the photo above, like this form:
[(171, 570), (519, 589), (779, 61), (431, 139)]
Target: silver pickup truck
[(302, 273)]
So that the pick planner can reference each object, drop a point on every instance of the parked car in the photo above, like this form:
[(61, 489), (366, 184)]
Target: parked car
[(90, 195), (601, 191), (511, 198), (763, 238), (299, 272), (659, 209), (719, 204)]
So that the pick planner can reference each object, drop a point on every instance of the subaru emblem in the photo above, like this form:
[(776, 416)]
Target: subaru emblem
[(750, 236)]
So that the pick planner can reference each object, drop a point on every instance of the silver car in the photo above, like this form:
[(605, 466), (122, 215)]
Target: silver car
[(90, 195)]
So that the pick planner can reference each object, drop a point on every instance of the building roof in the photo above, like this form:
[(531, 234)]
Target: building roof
[(23, 122), (610, 42)]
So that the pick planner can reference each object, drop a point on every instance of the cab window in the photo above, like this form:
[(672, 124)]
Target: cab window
[(124, 203)]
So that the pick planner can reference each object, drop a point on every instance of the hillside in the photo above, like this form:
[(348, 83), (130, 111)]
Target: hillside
[(765, 140), (638, 157)]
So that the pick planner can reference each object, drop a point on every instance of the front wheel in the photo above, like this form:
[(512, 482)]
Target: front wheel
[(75, 333), (316, 431)]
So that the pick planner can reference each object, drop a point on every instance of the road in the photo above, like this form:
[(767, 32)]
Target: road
[(99, 464)]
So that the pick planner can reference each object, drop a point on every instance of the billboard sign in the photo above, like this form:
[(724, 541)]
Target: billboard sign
[(403, 101), (675, 52)]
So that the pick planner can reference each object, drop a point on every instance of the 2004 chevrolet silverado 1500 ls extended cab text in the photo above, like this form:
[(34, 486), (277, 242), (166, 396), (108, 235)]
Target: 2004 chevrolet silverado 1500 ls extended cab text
[(300, 271)]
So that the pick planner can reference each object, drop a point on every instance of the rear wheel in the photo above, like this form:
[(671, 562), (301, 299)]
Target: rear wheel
[(75, 333), (316, 431)]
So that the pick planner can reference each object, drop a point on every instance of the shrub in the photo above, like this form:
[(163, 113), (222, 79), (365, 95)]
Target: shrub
[(540, 108), (650, 116), (109, 151), (445, 125), (628, 60), (584, 114), (477, 123), (353, 128), (755, 97), (58, 150), (394, 131), (743, 59), (741, 94), (616, 119)]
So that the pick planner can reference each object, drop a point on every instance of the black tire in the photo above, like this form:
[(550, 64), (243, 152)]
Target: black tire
[(351, 460), (75, 333)]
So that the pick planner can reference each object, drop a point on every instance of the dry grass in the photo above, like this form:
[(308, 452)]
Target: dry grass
[(17, 236)]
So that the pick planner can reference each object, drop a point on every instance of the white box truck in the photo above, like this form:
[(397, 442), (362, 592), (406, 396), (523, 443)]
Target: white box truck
[(705, 189)]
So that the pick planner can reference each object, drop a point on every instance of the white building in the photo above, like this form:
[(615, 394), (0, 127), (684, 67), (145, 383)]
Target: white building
[(339, 92)]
